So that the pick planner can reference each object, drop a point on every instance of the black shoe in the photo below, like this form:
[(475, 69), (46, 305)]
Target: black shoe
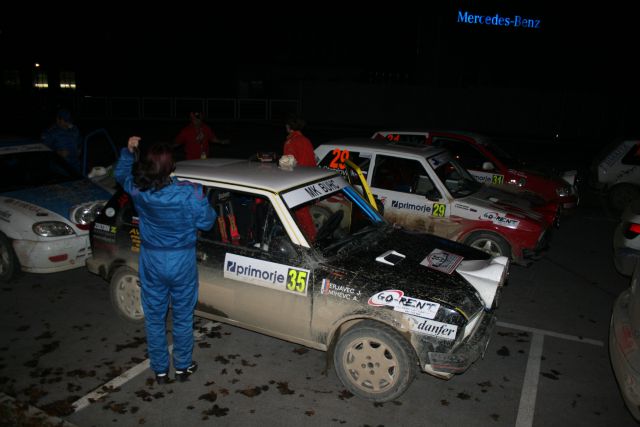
[(162, 378), (182, 375)]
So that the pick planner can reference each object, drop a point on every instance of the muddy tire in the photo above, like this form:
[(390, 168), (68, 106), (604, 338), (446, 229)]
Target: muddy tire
[(374, 362), (125, 295), (490, 243), (9, 265)]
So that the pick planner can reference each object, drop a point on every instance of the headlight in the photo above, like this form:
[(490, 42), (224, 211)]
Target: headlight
[(563, 191), (52, 229), (84, 214)]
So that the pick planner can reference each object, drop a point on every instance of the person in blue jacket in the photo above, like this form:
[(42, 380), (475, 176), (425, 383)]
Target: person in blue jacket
[(64, 139), (170, 213)]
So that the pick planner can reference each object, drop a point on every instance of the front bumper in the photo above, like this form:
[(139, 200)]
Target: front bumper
[(51, 256), (470, 350)]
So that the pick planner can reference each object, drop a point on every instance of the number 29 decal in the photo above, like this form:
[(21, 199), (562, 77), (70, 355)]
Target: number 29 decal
[(439, 209), (339, 157)]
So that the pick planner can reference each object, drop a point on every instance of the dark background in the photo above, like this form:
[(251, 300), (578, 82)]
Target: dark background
[(571, 80)]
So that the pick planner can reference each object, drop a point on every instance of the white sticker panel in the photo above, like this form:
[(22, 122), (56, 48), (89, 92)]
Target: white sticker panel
[(439, 159), (279, 277), (498, 218), (433, 328), (442, 261), (396, 299), (313, 191)]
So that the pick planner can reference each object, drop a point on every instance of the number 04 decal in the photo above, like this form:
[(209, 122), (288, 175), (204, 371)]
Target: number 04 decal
[(297, 281), (439, 209)]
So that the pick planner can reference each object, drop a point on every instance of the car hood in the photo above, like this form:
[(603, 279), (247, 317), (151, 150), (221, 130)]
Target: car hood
[(468, 280), (57, 198), (495, 199)]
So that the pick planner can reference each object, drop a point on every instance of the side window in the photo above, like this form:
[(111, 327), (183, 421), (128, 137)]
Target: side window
[(465, 153), (244, 220), (633, 156), (336, 158), (398, 174)]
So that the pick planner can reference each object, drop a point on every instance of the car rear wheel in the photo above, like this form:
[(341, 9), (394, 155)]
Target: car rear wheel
[(125, 295), (9, 265), (621, 195), (374, 362), (490, 243)]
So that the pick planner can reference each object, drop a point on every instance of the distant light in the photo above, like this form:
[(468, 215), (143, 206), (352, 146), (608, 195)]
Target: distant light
[(37, 65), (41, 85)]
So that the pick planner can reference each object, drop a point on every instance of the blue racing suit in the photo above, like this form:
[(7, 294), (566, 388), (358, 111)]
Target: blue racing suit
[(169, 219)]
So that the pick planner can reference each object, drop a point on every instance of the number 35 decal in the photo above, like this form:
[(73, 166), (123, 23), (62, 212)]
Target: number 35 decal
[(297, 281)]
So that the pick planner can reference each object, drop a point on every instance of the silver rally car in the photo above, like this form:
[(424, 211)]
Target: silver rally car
[(382, 301)]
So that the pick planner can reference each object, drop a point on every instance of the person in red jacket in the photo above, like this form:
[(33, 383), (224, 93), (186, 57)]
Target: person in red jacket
[(195, 137), (299, 146)]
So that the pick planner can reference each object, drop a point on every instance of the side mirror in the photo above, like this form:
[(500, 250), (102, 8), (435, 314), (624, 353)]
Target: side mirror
[(488, 166)]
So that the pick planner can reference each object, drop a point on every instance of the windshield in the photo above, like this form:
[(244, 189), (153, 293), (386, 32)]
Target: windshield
[(457, 179), (23, 168), (333, 216), (501, 154)]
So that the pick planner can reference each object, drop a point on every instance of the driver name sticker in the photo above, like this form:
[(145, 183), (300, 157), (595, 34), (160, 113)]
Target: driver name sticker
[(279, 277), (313, 191), (396, 299), (442, 261), (433, 328), (500, 219), (439, 159)]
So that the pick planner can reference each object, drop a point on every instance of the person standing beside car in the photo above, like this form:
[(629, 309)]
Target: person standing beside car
[(64, 139), (170, 214), (299, 147), (196, 137)]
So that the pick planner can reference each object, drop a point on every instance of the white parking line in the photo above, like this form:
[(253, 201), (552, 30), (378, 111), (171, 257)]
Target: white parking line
[(105, 389), (530, 385), (551, 333)]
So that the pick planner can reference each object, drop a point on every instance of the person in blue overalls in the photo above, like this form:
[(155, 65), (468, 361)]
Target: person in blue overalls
[(170, 213), (64, 139)]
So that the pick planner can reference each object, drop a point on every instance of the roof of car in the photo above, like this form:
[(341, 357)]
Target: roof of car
[(383, 147), (266, 176), (420, 131)]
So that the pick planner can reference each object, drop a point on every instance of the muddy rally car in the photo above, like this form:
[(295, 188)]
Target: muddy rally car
[(383, 302)]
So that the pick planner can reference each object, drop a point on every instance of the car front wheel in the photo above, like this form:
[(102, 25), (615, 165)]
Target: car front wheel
[(374, 362), (125, 295), (490, 243), (9, 265)]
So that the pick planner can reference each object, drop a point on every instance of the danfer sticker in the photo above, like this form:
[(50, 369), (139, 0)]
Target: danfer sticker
[(433, 328), (442, 261), (396, 299), (267, 274)]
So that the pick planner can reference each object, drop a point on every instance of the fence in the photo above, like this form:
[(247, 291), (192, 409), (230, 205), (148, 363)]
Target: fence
[(153, 108)]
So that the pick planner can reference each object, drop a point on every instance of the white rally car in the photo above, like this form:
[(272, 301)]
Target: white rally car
[(616, 172), (45, 210)]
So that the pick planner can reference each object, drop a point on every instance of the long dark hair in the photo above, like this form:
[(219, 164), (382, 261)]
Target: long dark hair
[(153, 172)]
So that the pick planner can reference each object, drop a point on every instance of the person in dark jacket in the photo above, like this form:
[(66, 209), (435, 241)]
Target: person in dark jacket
[(170, 214)]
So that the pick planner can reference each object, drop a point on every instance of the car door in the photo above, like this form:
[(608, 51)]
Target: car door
[(251, 274), (411, 196)]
